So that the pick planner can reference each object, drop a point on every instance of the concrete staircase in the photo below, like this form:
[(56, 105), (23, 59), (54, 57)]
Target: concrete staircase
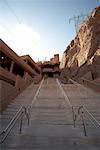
[(80, 95), (51, 124), (24, 99)]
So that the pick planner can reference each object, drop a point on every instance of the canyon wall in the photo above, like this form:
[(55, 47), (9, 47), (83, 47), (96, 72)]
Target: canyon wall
[(82, 55)]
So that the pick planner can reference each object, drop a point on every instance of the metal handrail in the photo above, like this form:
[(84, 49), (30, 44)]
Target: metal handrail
[(66, 97), (93, 120), (91, 82), (91, 116), (81, 114), (23, 111), (72, 81), (6, 131), (81, 85), (74, 116), (33, 101), (68, 101), (85, 107)]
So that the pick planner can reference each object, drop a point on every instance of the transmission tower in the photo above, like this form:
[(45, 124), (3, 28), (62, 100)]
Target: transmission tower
[(77, 21)]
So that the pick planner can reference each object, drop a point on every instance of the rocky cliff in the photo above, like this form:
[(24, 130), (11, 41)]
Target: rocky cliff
[(82, 55)]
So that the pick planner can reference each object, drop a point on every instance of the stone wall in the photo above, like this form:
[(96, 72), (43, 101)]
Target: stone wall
[(82, 55)]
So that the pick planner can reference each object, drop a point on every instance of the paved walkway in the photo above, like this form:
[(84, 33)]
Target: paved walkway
[(51, 125)]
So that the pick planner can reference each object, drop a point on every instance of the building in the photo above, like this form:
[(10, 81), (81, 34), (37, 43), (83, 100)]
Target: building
[(51, 68), (16, 73), (34, 66)]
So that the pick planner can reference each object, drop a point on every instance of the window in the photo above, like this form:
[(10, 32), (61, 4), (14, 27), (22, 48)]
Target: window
[(5, 61), (18, 70)]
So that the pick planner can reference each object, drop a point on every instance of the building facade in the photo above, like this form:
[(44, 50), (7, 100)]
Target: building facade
[(16, 73), (51, 68)]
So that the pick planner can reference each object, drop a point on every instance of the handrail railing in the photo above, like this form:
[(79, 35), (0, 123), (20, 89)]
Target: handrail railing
[(91, 81), (66, 97), (91, 116), (33, 101), (6, 131), (23, 111), (68, 101), (82, 109), (81, 114), (81, 85)]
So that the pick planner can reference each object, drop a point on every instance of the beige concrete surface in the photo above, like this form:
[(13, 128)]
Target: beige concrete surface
[(51, 123)]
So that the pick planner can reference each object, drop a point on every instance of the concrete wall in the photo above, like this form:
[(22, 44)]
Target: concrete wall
[(9, 92), (91, 84), (88, 76)]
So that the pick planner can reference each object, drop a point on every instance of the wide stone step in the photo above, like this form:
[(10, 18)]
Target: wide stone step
[(51, 122), (54, 140)]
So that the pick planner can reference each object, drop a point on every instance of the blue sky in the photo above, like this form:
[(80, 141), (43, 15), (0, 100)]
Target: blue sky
[(40, 28)]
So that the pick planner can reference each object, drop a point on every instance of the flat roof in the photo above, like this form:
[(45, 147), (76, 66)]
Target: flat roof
[(31, 61), (11, 54)]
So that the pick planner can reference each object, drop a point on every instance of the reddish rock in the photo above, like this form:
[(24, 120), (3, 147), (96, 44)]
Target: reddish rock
[(83, 53)]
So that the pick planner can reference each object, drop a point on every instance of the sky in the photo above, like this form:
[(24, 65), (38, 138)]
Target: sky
[(41, 28)]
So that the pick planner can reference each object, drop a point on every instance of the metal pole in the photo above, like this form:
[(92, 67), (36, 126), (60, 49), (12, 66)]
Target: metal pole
[(21, 123), (74, 117), (84, 127)]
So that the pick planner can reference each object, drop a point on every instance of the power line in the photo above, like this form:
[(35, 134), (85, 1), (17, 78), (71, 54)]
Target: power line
[(18, 20), (6, 29), (13, 12), (77, 20)]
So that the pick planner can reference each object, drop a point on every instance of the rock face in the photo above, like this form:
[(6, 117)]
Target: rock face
[(83, 53)]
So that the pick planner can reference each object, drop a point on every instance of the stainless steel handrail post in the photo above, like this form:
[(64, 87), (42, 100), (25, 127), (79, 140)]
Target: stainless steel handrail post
[(21, 122), (84, 126), (82, 118), (74, 117), (28, 115), (24, 112)]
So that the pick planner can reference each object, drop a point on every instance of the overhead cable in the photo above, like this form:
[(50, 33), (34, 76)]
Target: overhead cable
[(13, 12)]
